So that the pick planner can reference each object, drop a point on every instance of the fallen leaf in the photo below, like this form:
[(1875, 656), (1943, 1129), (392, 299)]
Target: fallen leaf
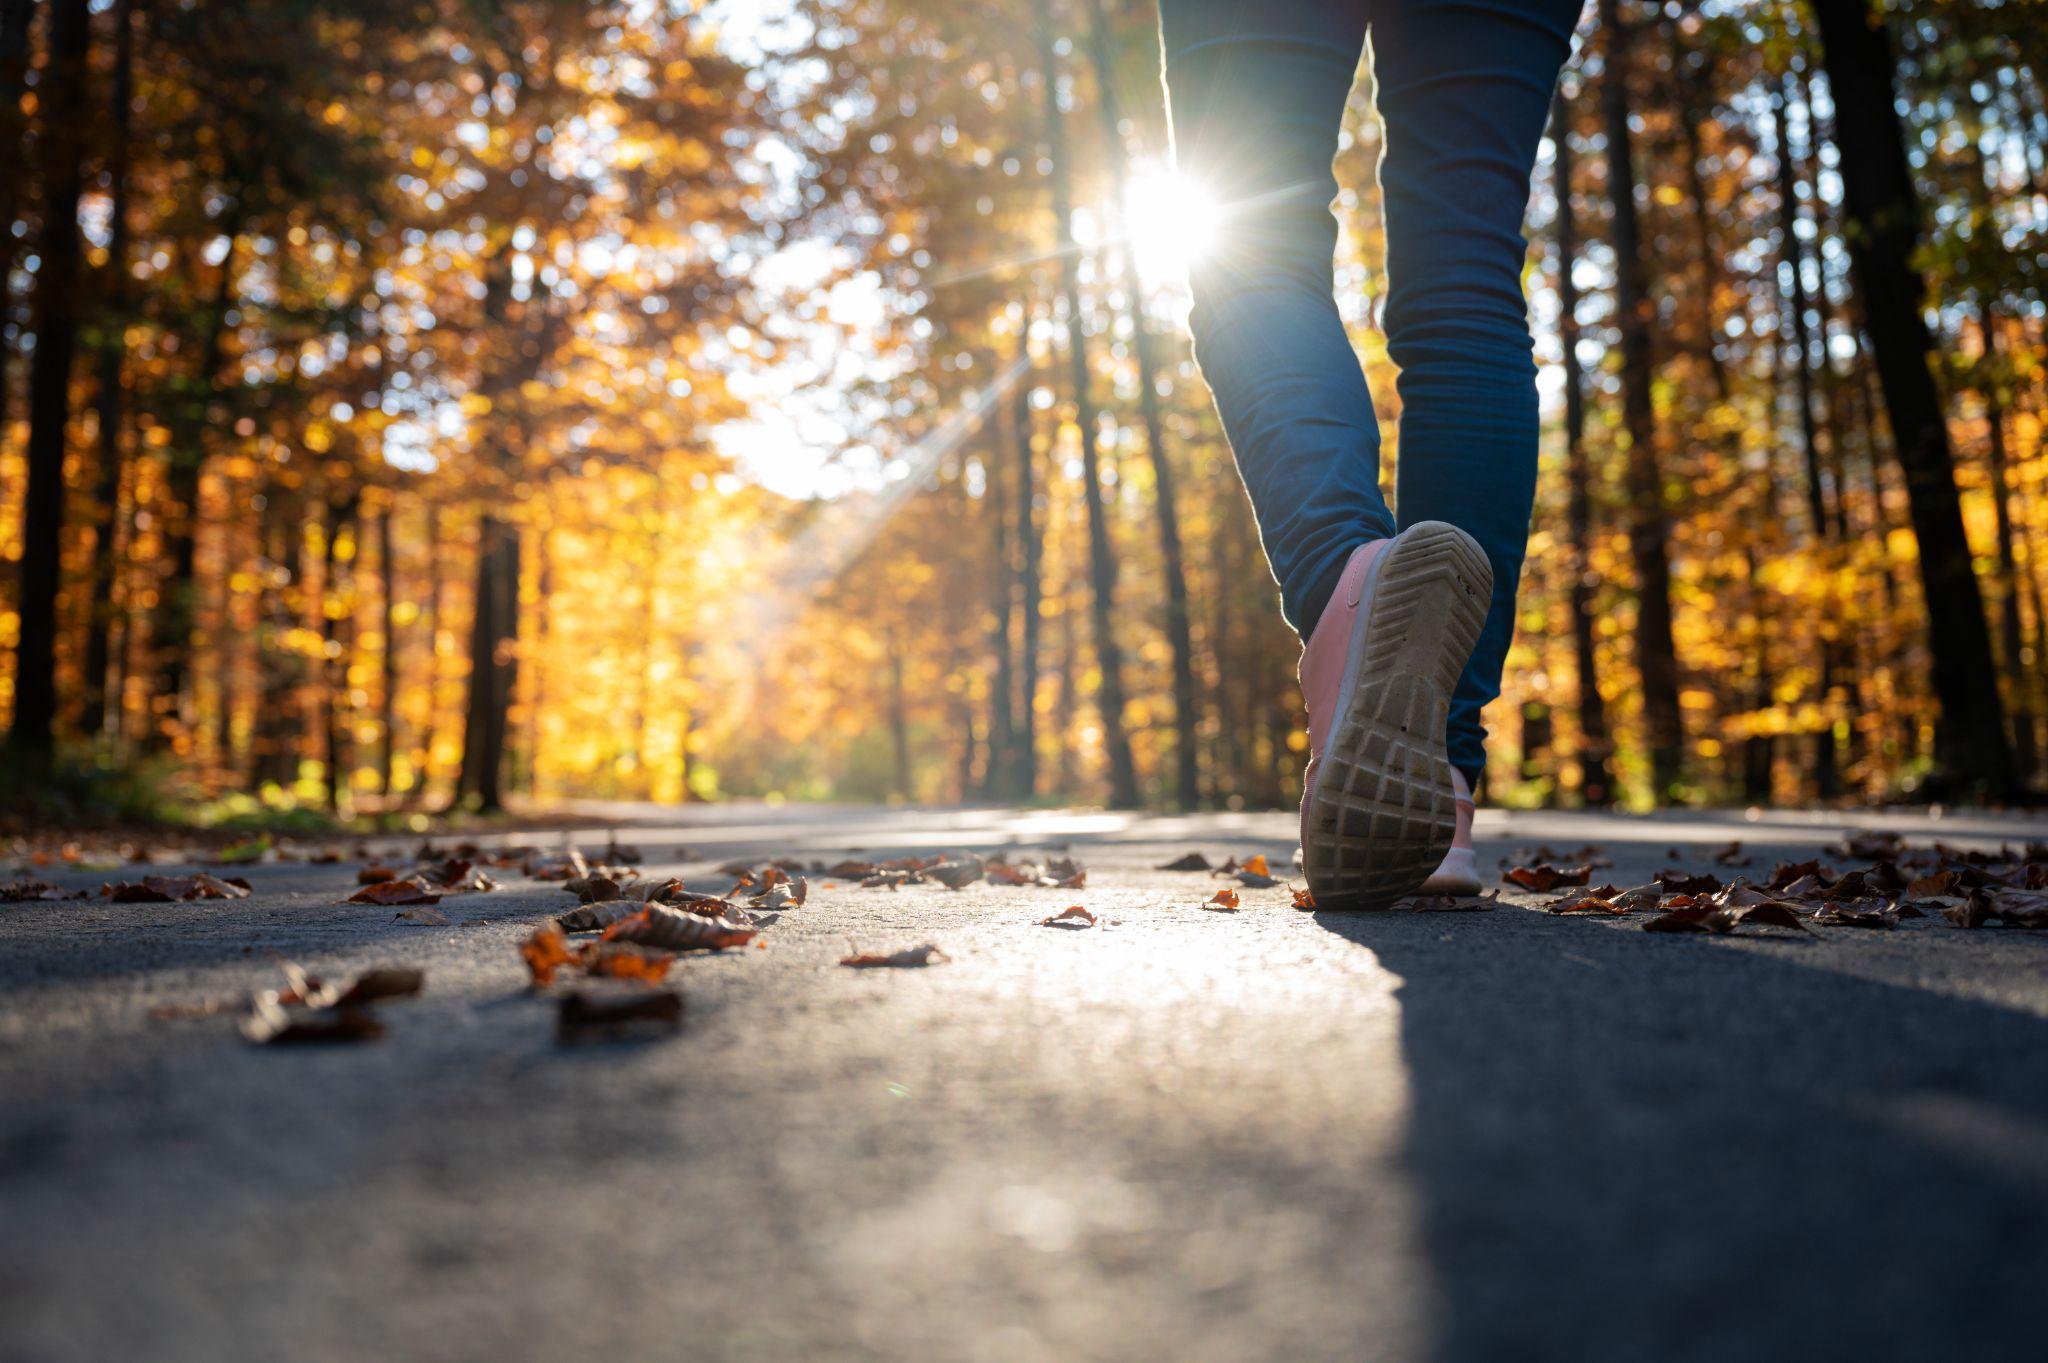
[(1731, 855), (1193, 861), (174, 889), (1073, 916), (1585, 903), (585, 1017), (656, 925), (1856, 916), (1303, 899), (1543, 877), (1222, 900), (375, 875), (407, 891), (378, 985), (1677, 882), (1256, 865), (595, 917), (1256, 880), (909, 956), (624, 961), (272, 1024), (545, 952), (421, 917), (1678, 921)]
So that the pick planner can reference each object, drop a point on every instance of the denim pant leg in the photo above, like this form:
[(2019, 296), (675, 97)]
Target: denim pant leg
[(1257, 94), (1464, 88)]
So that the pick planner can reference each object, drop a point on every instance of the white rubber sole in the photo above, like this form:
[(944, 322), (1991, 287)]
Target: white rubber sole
[(1383, 810)]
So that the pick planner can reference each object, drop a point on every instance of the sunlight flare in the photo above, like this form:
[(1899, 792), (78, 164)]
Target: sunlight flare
[(1172, 221)]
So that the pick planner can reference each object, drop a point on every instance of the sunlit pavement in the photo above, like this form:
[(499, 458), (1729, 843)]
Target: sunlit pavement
[(1181, 1135)]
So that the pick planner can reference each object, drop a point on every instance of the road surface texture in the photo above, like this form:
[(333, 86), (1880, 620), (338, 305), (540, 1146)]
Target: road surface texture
[(1182, 1134)]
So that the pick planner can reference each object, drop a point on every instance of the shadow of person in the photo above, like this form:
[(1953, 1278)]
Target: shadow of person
[(1637, 1147)]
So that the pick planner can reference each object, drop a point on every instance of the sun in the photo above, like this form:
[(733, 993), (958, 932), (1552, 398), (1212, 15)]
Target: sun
[(1172, 222)]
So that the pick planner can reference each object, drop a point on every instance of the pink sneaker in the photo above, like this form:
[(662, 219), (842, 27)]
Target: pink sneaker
[(1459, 871), (1379, 807)]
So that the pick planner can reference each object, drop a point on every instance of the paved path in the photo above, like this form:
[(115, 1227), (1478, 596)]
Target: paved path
[(1187, 1135)]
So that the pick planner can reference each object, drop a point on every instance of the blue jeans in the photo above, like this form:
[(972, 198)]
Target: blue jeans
[(1257, 90)]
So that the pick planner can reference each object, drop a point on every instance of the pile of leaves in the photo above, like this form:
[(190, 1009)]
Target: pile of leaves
[(1968, 889)]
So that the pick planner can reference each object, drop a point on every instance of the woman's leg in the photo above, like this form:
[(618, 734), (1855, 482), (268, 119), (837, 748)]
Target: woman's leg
[(1464, 87), (1257, 90)]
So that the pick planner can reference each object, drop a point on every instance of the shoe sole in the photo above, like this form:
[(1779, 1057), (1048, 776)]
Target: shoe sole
[(1383, 811)]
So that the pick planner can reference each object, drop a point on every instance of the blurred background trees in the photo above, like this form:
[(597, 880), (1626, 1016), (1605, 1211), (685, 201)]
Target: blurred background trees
[(416, 401)]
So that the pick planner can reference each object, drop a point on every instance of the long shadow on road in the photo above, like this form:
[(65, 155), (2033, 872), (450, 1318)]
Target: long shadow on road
[(1633, 1147)]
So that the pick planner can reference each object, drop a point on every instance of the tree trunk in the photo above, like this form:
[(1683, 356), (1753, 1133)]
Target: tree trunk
[(337, 632), (178, 598), (1102, 572), (430, 731), (61, 151), (899, 722), (14, 58), (112, 347), (1883, 217), (1826, 768), (2019, 675), (1023, 778), (387, 697), (1002, 733), (493, 631), (1596, 782), (1145, 348), (1649, 518)]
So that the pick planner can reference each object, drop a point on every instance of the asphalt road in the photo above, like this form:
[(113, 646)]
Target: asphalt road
[(1181, 1134)]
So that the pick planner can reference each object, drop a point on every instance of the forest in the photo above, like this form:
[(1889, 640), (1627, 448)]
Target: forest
[(421, 404)]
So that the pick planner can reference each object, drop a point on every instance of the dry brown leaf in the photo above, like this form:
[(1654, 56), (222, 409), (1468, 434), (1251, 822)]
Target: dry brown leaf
[(1073, 916), (375, 874), (270, 1023), (176, 889), (1869, 914), (1223, 900), (1193, 861), (927, 954), (1256, 864), (656, 925), (624, 961), (378, 985), (407, 891), (1303, 899), (421, 917), (587, 1017), (546, 951), (595, 917), (1543, 877)]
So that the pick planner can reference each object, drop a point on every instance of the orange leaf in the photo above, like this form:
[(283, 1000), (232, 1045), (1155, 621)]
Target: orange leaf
[(546, 951), (1223, 900)]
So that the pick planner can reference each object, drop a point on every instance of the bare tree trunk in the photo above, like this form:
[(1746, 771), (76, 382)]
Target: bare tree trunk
[(1102, 573), (1002, 732), (1649, 517), (1145, 348), (899, 722), (112, 346), (1596, 783), (430, 732), (387, 697), (1827, 774), (61, 151), (493, 631), (14, 60), (1883, 214), (2019, 676), (1023, 781), (177, 607), (338, 633)]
